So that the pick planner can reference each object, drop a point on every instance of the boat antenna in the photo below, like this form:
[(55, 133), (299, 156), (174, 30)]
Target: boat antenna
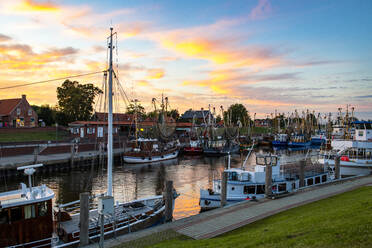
[(109, 135), (29, 170)]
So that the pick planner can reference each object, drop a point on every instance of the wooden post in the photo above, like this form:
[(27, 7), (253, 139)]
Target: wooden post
[(72, 155), (36, 152), (223, 188), (302, 173), (268, 180), (102, 230), (168, 201), (84, 219), (337, 167)]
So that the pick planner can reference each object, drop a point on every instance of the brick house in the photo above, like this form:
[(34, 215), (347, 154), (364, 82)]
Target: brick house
[(17, 113)]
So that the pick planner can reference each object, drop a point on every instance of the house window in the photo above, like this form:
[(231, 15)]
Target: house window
[(76, 130), (30, 112), (18, 111), (89, 130), (360, 133)]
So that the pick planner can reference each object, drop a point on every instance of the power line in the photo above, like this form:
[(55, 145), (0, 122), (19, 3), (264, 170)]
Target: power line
[(51, 80)]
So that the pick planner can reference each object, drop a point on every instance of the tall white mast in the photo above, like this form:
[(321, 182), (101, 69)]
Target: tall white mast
[(110, 141)]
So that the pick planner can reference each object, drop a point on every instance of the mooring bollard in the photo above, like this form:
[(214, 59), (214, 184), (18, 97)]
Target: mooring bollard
[(84, 219), (223, 189), (302, 173), (337, 166), (168, 201)]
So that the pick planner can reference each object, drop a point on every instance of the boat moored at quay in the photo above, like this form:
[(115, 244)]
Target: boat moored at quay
[(355, 153), (250, 185)]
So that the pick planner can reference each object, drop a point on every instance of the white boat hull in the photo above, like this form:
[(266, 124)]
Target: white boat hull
[(141, 160), (356, 167)]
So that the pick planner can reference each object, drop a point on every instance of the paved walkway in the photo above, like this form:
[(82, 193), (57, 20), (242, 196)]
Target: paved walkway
[(213, 223)]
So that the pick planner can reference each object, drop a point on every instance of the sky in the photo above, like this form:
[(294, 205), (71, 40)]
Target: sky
[(270, 55)]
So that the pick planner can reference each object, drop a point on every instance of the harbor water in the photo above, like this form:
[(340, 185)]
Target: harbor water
[(188, 173)]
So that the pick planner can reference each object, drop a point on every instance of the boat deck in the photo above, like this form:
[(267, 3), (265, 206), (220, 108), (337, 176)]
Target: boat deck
[(121, 214)]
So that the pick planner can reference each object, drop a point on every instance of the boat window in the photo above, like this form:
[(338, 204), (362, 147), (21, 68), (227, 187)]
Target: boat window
[(232, 188), (317, 180), (310, 181), (4, 218), (324, 178), (30, 212), (260, 189), (42, 208), (293, 185), (249, 189), (282, 187), (233, 176), (15, 214)]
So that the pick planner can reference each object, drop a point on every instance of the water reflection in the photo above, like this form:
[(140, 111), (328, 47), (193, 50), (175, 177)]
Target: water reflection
[(189, 174)]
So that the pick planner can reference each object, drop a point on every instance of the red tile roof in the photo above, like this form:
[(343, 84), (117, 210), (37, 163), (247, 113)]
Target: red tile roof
[(7, 105)]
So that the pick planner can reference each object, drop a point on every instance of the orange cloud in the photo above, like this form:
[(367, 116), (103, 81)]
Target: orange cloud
[(142, 83), (32, 6), (155, 73)]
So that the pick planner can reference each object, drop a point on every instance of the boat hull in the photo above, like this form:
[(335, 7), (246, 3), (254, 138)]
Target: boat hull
[(350, 168), (149, 159)]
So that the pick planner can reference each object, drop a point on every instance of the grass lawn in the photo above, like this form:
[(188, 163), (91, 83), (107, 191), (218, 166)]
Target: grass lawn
[(341, 221), (32, 136)]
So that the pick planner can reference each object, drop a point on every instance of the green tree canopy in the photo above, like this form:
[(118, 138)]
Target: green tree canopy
[(75, 100), (46, 113), (131, 109), (236, 112)]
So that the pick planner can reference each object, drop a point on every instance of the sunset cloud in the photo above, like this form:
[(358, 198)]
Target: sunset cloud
[(4, 37), (155, 73), (34, 6)]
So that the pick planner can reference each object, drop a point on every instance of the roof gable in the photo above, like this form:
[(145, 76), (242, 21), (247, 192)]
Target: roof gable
[(7, 105)]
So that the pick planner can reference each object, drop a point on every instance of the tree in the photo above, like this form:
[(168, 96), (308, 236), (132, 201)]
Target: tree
[(46, 113), (131, 109), (236, 112), (75, 100)]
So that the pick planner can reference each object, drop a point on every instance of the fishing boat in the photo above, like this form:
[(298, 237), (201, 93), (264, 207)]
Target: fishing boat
[(280, 140), (355, 153), (298, 141), (150, 150), (245, 185), (193, 148), (26, 215)]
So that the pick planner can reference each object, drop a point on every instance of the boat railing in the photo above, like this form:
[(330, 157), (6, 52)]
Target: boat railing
[(47, 244)]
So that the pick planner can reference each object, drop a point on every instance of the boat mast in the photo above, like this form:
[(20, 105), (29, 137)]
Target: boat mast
[(110, 140)]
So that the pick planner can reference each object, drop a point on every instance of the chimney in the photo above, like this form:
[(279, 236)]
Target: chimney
[(23, 97)]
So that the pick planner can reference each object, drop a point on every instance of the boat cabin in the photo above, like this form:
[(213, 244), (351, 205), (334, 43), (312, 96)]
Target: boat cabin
[(26, 217)]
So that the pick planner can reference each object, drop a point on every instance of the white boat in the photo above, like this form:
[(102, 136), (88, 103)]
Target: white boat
[(149, 151), (355, 154), (247, 185)]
